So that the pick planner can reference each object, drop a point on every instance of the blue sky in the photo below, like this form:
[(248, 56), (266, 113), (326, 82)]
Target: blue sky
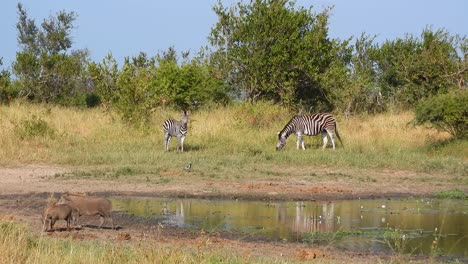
[(126, 27)]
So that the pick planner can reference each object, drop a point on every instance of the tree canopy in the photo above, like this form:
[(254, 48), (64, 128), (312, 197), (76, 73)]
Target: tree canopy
[(46, 69), (271, 50)]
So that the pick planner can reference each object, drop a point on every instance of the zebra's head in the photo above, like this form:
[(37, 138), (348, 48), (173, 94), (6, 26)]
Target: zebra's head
[(281, 141)]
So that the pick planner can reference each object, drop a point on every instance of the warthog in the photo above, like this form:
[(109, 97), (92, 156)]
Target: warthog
[(56, 212), (89, 205)]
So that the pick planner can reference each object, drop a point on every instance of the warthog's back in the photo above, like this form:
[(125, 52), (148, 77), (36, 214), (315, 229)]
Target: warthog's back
[(88, 205)]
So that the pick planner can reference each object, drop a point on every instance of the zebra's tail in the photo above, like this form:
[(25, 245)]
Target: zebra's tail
[(338, 135)]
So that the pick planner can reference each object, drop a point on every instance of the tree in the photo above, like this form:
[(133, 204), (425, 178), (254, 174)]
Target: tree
[(271, 50), (188, 85), (133, 97), (45, 68), (412, 69), (145, 82), (104, 77), (363, 94)]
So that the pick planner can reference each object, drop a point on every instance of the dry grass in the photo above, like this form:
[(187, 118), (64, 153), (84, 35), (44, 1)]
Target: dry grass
[(389, 131), (225, 137)]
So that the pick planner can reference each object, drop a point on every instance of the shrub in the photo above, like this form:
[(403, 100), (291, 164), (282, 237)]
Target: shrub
[(80, 99), (34, 127), (445, 112), (7, 90)]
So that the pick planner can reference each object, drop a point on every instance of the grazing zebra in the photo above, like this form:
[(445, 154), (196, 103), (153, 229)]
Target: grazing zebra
[(309, 125), (174, 128)]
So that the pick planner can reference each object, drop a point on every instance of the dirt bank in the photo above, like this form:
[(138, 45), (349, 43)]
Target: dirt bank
[(328, 184)]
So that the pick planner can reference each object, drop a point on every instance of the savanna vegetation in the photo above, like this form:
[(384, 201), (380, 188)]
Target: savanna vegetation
[(401, 105), (223, 141)]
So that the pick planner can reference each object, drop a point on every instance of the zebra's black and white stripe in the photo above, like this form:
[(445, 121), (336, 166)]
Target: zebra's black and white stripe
[(309, 125), (174, 128)]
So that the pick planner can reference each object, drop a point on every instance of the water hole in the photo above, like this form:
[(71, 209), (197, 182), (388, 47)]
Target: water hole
[(416, 226)]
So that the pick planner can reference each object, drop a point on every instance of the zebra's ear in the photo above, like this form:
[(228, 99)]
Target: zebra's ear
[(278, 132)]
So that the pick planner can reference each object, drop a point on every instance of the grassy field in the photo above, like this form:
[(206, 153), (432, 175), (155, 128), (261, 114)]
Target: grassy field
[(230, 141), (235, 143)]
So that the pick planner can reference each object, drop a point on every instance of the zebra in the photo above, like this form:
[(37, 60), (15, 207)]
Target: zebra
[(174, 128), (309, 125)]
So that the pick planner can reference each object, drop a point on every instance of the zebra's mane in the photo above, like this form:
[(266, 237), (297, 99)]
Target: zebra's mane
[(286, 126)]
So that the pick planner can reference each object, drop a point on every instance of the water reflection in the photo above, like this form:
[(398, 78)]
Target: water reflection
[(421, 220)]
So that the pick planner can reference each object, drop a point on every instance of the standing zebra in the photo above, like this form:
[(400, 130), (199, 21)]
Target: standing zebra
[(309, 125), (174, 128)]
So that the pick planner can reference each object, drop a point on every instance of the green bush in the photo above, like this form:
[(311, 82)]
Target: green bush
[(7, 94), (7, 90), (80, 99), (34, 127), (445, 112)]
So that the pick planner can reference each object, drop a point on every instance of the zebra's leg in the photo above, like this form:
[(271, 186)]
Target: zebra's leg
[(299, 140), (167, 138), (302, 143), (182, 144), (324, 139), (330, 133)]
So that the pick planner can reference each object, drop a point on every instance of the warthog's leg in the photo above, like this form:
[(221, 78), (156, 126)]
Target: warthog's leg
[(112, 221), (51, 224), (101, 218), (45, 224), (74, 218), (68, 223)]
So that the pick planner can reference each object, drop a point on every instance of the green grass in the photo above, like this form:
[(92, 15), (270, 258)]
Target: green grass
[(222, 142), (452, 194)]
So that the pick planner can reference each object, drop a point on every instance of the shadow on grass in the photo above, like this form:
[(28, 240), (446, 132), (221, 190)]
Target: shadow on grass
[(440, 144), (187, 148)]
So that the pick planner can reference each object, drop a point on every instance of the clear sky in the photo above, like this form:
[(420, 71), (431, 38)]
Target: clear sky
[(126, 27)]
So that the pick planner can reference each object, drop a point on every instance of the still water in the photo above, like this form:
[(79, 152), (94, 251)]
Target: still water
[(417, 226)]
